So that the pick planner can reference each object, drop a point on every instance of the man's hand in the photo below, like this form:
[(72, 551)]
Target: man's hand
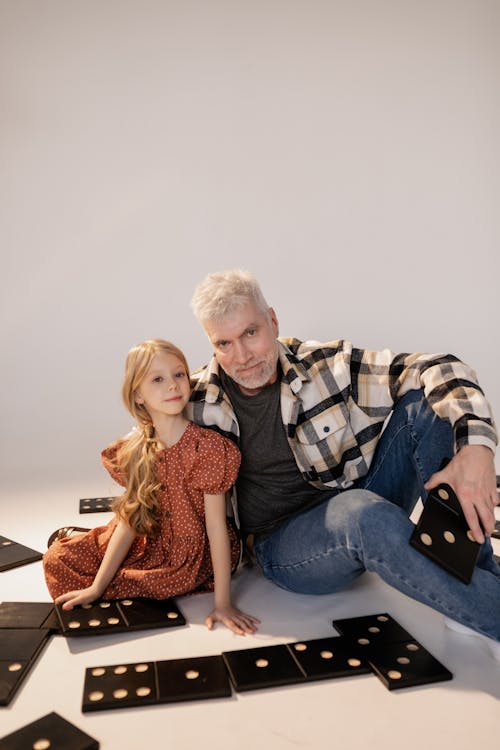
[(237, 621), (471, 473)]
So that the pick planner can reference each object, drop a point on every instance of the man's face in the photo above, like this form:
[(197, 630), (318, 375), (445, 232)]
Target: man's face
[(245, 346)]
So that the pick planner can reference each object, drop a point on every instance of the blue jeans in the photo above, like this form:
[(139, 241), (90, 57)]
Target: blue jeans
[(366, 528)]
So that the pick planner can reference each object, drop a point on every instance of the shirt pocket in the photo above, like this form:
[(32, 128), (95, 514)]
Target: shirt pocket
[(322, 426)]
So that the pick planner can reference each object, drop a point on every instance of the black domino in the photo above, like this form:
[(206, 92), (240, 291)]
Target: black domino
[(119, 686), (29, 615), (196, 678), (151, 683), (96, 504), (442, 534), (407, 664), (19, 649), (142, 613), (328, 658), (118, 616), (13, 554), (102, 618), (369, 630), (268, 666), (50, 731)]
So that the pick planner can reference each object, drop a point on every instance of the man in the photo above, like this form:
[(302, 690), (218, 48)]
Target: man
[(324, 489)]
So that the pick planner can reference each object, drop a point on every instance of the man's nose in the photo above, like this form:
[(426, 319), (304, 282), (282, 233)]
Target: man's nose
[(241, 353)]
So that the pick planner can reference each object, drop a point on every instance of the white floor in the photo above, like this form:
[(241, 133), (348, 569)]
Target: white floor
[(347, 713)]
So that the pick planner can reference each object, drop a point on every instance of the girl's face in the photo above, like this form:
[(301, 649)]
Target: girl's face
[(165, 389)]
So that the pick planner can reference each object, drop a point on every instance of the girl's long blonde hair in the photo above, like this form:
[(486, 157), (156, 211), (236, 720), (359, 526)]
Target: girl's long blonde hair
[(137, 454)]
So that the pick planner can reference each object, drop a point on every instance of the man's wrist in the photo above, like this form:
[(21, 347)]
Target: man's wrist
[(475, 448)]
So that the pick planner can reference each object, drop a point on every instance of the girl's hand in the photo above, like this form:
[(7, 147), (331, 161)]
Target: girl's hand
[(71, 598), (237, 621)]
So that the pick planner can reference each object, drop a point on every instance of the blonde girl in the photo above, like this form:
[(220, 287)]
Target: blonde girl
[(170, 535)]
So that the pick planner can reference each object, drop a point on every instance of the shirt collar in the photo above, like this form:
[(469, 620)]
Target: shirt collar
[(213, 393), (294, 372)]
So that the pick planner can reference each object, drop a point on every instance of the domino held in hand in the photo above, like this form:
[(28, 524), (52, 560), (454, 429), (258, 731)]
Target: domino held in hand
[(442, 534)]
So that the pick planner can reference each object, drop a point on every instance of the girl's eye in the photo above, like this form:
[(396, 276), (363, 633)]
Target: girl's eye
[(158, 379), (180, 374)]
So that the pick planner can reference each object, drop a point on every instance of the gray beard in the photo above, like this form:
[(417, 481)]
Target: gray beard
[(259, 380)]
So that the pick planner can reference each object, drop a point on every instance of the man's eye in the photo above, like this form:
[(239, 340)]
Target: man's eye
[(223, 344), (251, 331)]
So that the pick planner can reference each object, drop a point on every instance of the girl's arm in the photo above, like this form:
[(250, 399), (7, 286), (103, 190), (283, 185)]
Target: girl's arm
[(220, 551), (119, 544)]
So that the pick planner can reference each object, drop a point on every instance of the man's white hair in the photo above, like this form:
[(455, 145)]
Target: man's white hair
[(220, 293)]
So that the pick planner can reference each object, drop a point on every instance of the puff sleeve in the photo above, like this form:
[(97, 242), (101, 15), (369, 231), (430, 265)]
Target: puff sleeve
[(216, 464), (109, 457)]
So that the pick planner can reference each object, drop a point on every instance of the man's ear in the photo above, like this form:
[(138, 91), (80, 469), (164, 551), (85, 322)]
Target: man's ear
[(274, 321)]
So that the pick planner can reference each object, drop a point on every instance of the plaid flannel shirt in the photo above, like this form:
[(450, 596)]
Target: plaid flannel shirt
[(335, 400)]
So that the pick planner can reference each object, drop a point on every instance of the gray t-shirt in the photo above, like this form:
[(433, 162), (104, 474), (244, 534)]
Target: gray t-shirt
[(270, 487)]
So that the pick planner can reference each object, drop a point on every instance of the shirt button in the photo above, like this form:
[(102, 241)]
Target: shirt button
[(162, 487), (326, 429), (167, 514)]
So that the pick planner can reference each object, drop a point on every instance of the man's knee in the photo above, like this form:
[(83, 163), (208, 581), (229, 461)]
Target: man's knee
[(365, 518), (348, 507)]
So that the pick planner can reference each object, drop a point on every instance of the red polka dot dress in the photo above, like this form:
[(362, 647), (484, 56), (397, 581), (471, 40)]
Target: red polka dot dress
[(175, 562)]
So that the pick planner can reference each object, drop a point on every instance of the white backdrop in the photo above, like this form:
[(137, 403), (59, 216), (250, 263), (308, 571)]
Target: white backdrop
[(345, 152)]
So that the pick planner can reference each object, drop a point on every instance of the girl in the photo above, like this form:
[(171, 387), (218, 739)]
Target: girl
[(170, 535)]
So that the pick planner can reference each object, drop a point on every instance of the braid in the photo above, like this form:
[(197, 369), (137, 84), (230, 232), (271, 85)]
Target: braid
[(138, 505)]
